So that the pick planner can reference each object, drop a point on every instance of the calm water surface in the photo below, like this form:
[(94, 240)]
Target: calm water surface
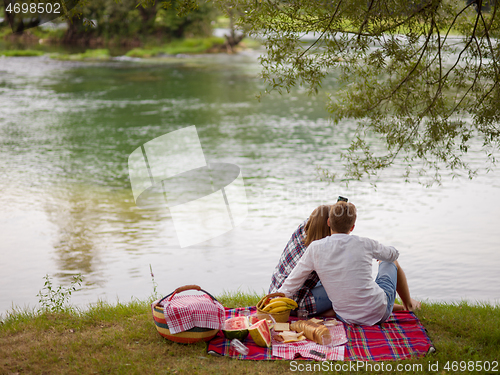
[(67, 129)]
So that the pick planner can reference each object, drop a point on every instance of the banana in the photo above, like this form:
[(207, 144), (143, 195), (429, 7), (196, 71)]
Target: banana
[(289, 301), (279, 309), (274, 304)]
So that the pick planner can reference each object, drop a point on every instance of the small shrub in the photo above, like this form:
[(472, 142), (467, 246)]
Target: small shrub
[(54, 299)]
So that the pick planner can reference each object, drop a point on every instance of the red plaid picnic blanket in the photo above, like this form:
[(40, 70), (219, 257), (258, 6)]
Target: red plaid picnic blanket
[(188, 311), (402, 336)]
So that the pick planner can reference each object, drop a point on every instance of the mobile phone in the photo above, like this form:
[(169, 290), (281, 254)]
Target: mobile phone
[(341, 198)]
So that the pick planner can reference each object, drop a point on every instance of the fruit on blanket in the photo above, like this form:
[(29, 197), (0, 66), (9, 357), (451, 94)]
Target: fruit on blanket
[(276, 308), (260, 333), (279, 309), (240, 322), (274, 304), (288, 301), (279, 304), (236, 328), (252, 319)]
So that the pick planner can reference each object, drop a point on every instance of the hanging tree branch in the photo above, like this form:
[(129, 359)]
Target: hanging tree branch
[(402, 77)]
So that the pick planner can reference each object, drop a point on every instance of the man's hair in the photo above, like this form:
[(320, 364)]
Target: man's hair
[(342, 217), (317, 225)]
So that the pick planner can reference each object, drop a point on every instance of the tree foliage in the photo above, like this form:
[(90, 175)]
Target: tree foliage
[(422, 77), (129, 18)]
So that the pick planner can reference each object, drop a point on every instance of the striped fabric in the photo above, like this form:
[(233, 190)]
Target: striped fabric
[(402, 336)]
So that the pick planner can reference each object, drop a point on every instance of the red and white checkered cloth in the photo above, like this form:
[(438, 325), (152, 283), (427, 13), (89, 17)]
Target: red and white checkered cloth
[(188, 311), (309, 349)]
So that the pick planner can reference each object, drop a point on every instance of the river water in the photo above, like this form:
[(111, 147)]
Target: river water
[(68, 128)]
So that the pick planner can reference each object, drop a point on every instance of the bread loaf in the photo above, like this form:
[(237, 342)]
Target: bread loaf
[(312, 331)]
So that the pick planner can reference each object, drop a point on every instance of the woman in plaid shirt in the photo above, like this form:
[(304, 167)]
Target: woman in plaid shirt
[(314, 228)]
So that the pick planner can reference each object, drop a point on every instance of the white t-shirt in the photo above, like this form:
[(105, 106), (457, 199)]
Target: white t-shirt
[(343, 263)]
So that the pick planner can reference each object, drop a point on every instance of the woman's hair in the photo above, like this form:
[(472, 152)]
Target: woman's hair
[(317, 226)]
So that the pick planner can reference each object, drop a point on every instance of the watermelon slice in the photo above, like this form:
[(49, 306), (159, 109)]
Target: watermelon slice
[(259, 316), (236, 328), (260, 333)]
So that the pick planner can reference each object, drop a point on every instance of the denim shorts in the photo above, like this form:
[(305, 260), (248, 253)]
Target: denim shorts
[(387, 279), (323, 303)]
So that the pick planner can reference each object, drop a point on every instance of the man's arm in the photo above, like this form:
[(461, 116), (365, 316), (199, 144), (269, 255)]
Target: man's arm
[(382, 252), (299, 274)]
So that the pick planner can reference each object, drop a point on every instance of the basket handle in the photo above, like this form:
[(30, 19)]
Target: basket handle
[(183, 289), (186, 287), (275, 294)]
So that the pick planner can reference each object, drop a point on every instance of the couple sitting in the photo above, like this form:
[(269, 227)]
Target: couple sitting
[(329, 272)]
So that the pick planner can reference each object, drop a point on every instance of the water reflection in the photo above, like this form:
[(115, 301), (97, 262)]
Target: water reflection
[(74, 214), (93, 222), (67, 130)]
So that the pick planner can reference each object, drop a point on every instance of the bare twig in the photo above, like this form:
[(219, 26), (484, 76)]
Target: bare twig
[(367, 16)]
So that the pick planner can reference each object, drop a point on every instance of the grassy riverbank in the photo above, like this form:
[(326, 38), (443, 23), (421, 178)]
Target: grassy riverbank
[(122, 339), (174, 48)]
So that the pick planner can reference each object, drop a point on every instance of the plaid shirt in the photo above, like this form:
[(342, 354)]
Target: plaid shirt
[(288, 260)]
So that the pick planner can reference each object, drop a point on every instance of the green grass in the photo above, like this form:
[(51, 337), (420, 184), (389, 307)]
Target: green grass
[(187, 46), (21, 52), (122, 339), (195, 45), (88, 55)]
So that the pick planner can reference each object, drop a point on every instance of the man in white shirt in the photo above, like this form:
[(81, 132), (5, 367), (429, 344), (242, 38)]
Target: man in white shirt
[(343, 263)]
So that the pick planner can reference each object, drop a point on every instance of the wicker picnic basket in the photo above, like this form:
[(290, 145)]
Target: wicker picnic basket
[(281, 317), (193, 335)]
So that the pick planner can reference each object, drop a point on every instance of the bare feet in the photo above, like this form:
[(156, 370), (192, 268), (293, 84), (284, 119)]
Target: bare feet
[(398, 307), (415, 305)]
